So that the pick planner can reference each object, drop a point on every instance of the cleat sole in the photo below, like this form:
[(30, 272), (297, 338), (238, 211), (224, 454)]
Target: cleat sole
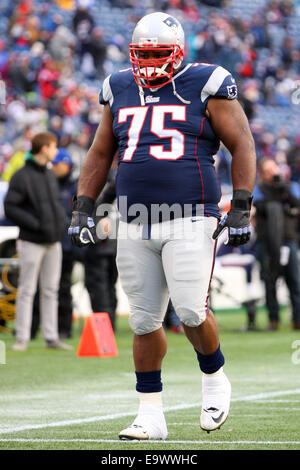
[(210, 430), (129, 438)]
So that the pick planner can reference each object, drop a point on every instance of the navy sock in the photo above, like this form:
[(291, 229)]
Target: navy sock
[(148, 382), (210, 363)]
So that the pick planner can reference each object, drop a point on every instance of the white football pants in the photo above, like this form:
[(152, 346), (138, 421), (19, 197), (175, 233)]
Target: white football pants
[(176, 262)]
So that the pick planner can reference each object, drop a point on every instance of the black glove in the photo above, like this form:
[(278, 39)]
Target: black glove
[(82, 230), (237, 220)]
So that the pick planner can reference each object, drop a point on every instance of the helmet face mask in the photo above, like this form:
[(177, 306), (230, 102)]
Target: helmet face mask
[(156, 51), (154, 66)]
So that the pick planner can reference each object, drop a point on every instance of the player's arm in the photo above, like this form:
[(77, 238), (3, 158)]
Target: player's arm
[(231, 126), (92, 180)]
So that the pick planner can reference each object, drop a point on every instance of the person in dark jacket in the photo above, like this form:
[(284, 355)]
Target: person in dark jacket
[(277, 204), (33, 202)]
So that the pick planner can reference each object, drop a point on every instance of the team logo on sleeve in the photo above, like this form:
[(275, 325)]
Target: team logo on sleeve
[(232, 92)]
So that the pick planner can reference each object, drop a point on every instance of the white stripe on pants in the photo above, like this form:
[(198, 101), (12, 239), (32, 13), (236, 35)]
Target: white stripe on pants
[(38, 262)]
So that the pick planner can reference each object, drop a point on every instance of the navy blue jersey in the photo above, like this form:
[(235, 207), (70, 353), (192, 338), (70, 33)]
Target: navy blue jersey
[(166, 142)]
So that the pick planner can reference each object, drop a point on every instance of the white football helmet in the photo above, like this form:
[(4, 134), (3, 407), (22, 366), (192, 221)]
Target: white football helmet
[(156, 50)]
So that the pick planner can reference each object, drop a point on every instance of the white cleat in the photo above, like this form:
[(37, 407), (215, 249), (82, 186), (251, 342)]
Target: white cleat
[(134, 432), (146, 427), (216, 393)]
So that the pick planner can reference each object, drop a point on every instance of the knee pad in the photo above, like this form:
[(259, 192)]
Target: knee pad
[(190, 317), (143, 324)]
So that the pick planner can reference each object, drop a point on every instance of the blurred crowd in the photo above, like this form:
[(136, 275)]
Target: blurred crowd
[(53, 66)]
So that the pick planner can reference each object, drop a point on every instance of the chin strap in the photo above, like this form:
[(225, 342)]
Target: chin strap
[(142, 94), (177, 95)]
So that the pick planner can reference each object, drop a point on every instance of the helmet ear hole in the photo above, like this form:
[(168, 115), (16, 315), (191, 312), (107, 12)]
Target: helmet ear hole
[(178, 55)]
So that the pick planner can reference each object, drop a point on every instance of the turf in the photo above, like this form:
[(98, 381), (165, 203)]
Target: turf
[(55, 400)]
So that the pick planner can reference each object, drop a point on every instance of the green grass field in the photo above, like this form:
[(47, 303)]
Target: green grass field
[(55, 400)]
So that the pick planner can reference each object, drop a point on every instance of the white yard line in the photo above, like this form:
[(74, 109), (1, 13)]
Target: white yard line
[(151, 442), (262, 396), (29, 427)]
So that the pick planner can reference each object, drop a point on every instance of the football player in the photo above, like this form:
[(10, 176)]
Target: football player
[(167, 119)]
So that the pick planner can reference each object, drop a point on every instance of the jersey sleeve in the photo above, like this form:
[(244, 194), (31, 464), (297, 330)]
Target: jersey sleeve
[(219, 83), (106, 95)]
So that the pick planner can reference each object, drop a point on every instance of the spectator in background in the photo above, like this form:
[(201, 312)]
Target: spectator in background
[(260, 48), (259, 31), (212, 3), (277, 205), (15, 162), (20, 146), (100, 260), (83, 25), (98, 50), (293, 158), (77, 148), (243, 257), (20, 75), (4, 56), (83, 22), (61, 44), (47, 79), (66, 4), (33, 203), (56, 127), (62, 167)]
